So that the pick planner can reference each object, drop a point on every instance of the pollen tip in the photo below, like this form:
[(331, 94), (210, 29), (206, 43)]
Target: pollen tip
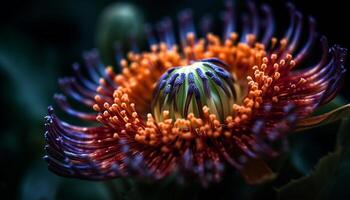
[(50, 109)]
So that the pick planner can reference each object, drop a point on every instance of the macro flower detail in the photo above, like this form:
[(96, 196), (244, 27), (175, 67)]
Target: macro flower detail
[(186, 89), (197, 106)]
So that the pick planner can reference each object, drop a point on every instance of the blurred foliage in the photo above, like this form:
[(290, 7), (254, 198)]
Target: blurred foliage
[(25, 65), (40, 39), (38, 178), (29, 75), (309, 146), (39, 183)]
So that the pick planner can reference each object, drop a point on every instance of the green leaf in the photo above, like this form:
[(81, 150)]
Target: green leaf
[(308, 146), (331, 177), (312, 141), (326, 118), (343, 139), (315, 185), (334, 104)]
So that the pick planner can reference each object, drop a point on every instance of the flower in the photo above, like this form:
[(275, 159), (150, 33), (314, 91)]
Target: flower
[(198, 106)]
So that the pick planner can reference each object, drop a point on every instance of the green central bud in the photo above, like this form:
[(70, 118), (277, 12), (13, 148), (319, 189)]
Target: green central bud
[(186, 89)]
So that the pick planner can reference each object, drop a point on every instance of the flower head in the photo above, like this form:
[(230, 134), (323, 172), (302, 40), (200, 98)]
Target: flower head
[(186, 89), (197, 106)]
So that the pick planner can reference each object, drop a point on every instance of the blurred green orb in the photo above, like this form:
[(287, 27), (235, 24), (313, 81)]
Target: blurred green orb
[(119, 22)]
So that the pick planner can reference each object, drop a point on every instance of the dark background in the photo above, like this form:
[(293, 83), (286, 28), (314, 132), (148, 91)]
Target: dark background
[(40, 39)]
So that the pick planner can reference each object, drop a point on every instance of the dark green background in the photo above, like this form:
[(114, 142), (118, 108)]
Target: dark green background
[(40, 39)]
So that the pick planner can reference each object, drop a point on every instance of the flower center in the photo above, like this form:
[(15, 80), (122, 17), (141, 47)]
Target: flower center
[(186, 89)]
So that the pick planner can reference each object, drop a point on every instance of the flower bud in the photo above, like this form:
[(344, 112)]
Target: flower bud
[(187, 89)]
